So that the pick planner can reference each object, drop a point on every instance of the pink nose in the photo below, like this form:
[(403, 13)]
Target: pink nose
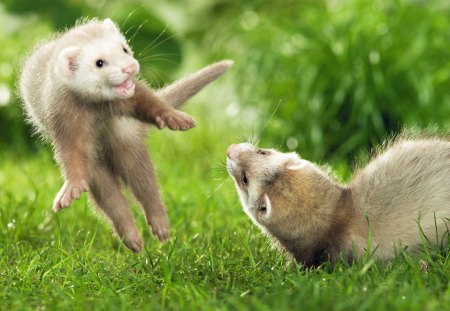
[(230, 150), (130, 69)]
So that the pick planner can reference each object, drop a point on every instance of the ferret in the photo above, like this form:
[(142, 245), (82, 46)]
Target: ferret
[(80, 91), (396, 202)]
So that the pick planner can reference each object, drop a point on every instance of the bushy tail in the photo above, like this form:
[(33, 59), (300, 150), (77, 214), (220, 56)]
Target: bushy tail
[(182, 90)]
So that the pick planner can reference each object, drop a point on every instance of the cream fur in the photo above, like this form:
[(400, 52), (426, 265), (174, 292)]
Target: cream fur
[(81, 93), (402, 188)]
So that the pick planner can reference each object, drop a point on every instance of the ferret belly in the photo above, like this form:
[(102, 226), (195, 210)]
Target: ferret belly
[(119, 136)]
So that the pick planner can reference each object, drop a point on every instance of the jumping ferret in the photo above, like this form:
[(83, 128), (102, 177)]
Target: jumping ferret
[(315, 219), (81, 93)]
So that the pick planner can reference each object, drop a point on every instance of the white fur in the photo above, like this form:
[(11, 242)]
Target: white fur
[(268, 206), (251, 197), (297, 165), (101, 81), (402, 193), (77, 53), (108, 23), (67, 61)]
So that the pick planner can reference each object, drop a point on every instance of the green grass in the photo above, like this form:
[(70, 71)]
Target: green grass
[(339, 88), (216, 258)]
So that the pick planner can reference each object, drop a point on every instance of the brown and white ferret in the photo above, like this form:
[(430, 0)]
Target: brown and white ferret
[(81, 93), (400, 197)]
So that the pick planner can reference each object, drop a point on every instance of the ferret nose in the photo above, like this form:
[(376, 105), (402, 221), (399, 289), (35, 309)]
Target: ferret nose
[(130, 69), (230, 150)]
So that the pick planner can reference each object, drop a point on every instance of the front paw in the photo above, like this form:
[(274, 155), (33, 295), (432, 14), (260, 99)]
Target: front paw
[(70, 191), (175, 120)]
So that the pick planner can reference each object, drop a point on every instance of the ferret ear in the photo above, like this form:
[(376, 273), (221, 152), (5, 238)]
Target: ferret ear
[(267, 205), (110, 25), (296, 164), (67, 60)]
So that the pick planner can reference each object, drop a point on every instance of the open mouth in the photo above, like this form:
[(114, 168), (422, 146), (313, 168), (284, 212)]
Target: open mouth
[(124, 89)]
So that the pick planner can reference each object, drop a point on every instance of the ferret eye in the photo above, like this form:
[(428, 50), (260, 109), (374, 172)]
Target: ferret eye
[(244, 179), (99, 63), (262, 152), (125, 50)]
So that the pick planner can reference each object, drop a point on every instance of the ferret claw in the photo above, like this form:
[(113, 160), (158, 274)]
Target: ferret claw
[(69, 192), (175, 120), (160, 228), (133, 241), (159, 122)]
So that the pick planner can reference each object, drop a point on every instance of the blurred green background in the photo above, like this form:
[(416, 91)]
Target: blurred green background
[(325, 78), (328, 79)]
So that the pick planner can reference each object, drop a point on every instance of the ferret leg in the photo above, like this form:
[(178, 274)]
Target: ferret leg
[(105, 191), (149, 108), (138, 173), (132, 162), (74, 146)]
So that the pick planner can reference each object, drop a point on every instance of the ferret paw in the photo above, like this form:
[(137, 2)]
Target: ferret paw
[(133, 241), (160, 227), (175, 120), (69, 192)]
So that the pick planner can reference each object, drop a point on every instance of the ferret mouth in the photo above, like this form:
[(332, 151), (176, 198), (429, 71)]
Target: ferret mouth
[(124, 89), (262, 211)]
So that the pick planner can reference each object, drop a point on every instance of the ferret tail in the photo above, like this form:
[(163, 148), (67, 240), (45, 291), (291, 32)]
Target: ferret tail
[(177, 93)]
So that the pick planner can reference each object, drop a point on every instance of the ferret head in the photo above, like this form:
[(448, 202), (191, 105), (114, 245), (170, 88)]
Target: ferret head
[(281, 192), (96, 61)]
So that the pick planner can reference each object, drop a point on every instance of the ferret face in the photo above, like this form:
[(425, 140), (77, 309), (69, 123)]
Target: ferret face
[(260, 177), (100, 64)]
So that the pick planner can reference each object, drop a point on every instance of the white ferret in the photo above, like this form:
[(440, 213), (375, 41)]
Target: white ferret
[(400, 197), (81, 93)]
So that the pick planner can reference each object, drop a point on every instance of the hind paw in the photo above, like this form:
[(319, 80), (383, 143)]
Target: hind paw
[(133, 241), (70, 191), (160, 227)]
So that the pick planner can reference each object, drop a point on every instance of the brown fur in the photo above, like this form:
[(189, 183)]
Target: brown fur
[(98, 132), (314, 218)]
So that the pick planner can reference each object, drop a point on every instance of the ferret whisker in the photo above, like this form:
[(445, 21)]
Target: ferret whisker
[(156, 75), (252, 130), (391, 202), (282, 143), (156, 38), (244, 138), (216, 189), (100, 147), (237, 204), (126, 20), (150, 46), (270, 118), (157, 57), (222, 170), (137, 31), (233, 140), (163, 41), (128, 30), (252, 139), (162, 59), (160, 54), (223, 181)]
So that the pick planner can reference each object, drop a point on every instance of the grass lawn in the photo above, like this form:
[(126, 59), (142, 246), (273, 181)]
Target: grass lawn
[(216, 258)]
